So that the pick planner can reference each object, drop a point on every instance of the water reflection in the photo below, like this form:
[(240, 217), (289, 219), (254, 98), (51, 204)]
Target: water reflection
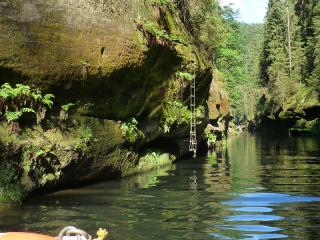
[(282, 165), (255, 209), (257, 188), (268, 199)]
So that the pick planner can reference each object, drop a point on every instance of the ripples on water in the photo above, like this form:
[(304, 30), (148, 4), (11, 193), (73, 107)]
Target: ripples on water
[(258, 188)]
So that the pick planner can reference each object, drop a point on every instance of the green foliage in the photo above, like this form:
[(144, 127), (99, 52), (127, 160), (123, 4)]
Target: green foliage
[(84, 137), (200, 112), (13, 116), (154, 30), (7, 176), (9, 189), (67, 106), (161, 3), (185, 75), (295, 23), (47, 100), (130, 131), (7, 92), (85, 134), (276, 46), (15, 101), (233, 47), (153, 155), (22, 94), (237, 58), (210, 136), (208, 25), (65, 112), (313, 48), (176, 112), (33, 152)]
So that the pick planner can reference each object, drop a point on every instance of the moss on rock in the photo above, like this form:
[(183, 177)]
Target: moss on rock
[(93, 55), (299, 113)]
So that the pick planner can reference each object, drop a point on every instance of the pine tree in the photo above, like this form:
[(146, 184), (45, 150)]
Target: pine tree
[(274, 65), (208, 25), (314, 45), (298, 54), (283, 60)]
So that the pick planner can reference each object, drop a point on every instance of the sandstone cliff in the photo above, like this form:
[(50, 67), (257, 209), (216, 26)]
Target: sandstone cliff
[(114, 61)]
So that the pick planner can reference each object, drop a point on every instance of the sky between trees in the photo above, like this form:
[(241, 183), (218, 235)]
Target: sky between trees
[(251, 11)]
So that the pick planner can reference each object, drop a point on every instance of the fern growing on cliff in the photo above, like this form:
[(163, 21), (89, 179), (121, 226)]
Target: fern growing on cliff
[(65, 111), (185, 75), (156, 34), (130, 131), (14, 116), (176, 112), (15, 101)]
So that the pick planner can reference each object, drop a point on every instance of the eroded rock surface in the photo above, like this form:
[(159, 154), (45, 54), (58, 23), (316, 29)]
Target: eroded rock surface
[(92, 53)]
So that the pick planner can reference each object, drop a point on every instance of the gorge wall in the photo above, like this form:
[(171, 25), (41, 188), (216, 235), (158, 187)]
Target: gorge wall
[(116, 63)]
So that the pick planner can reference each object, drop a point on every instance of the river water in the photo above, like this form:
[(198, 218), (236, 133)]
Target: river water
[(259, 187)]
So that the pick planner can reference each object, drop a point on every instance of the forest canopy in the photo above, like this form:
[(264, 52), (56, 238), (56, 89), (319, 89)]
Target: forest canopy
[(278, 60)]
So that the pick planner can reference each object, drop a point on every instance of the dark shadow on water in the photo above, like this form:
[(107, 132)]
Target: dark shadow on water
[(258, 188)]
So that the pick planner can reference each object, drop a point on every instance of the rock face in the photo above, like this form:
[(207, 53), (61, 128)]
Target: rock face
[(299, 114), (95, 54), (92, 52), (219, 109)]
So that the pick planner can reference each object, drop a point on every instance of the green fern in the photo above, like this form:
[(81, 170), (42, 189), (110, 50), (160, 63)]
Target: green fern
[(13, 116), (5, 91), (15, 101), (210, 136), (177, 113), (130, 131), (21, 90), (47, 100), (184, 75), (28, 110), (36, 95), (67, 106), (153, 29)]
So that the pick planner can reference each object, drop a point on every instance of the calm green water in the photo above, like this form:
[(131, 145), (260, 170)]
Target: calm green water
[(259, 188)]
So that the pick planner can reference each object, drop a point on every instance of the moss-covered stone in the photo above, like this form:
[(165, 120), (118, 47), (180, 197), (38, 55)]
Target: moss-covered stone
[(305, 127), (299, 113), (93, 55), (218, 101), (218, 109)]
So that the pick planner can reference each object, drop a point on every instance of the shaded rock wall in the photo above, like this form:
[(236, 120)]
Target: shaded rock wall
[(299, 114), (91, 53), (219, 109)]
